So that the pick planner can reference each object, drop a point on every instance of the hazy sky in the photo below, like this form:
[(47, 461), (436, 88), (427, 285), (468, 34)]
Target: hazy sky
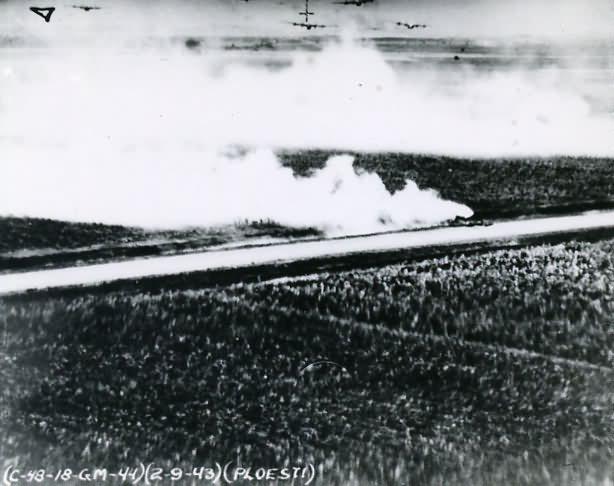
[(467, 18)]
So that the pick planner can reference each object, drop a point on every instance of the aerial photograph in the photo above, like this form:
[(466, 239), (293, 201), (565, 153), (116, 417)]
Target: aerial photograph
[(294, 242)]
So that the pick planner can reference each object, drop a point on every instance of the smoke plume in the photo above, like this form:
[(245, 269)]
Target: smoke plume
[(137, 136)]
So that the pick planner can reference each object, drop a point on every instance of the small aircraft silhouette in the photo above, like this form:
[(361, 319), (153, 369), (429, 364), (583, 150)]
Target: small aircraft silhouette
[(87, 8), (358, 3), (412, 26), (309, 25)]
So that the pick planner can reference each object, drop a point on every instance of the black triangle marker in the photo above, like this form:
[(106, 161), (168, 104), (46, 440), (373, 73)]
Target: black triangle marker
[(45, 12)]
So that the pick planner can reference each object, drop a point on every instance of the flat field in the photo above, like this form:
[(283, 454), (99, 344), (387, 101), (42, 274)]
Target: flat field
[(493, 188), (29, 243), (484, 368)]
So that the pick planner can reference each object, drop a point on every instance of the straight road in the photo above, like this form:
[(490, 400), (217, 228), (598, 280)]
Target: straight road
[(238, 258)]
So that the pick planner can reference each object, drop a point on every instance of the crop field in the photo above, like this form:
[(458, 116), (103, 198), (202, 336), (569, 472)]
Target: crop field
[(477, 369), (493, 188), (27, 243)]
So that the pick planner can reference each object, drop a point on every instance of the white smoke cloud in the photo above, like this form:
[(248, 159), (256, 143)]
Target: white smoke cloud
[(214, 189), (134, 137)]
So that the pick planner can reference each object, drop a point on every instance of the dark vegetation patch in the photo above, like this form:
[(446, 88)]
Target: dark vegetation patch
[(34, 243), (35, 233), (493, 188), (458, 370)]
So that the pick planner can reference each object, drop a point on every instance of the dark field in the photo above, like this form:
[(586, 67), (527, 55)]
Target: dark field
[(494, 189), (34, 243), (492, 368)]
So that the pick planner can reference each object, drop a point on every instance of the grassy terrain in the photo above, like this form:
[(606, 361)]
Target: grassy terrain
[(493, 188), (30, 243), (484, 369), (34, 233)]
